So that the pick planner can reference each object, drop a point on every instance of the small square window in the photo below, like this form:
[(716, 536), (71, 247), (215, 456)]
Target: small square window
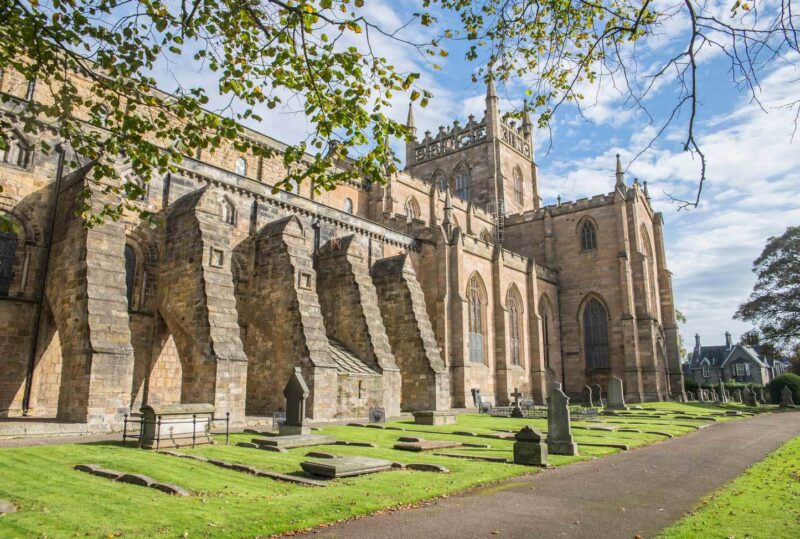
[(217, 258), (304, 280)]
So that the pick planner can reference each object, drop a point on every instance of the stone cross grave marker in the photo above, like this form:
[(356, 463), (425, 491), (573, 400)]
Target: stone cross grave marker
[(587, 397), (530, 448), (786, 398), (296, 393), (616, 396), (559, 431), (517, 410), (597, 395)]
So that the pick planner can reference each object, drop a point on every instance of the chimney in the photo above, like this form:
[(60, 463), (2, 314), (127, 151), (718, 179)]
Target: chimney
[(697, 341), (728, 343)]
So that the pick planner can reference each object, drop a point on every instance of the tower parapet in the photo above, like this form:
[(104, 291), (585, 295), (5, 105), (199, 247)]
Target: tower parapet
[(447, 140)]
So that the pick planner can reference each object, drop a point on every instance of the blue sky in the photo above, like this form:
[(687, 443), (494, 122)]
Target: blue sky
[(753, 186)]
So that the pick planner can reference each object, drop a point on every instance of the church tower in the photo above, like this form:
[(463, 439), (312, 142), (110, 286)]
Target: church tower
[(488, 162)]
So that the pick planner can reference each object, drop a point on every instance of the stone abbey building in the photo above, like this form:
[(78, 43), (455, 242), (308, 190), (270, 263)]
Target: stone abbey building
[(405, 296)]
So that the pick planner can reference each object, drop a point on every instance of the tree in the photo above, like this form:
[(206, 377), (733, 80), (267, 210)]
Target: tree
[(681, 319), (321, 56), (774, 304)]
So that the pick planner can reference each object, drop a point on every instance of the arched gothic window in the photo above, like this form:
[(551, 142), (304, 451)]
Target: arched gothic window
[(18, 152), (514, 304), (130, 274), (463, 181), (412, 209), (439, 180), (241, 166), (228, 212), (518, 191), (8, 251), (348, 206), (595, 335), (547, 328), (588, 234), (476, 301)]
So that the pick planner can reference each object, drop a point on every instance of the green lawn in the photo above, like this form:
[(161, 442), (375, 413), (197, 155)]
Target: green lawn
[(762, 502), (56, 501)]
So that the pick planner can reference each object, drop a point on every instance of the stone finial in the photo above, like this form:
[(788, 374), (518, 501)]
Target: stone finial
[(558, 200), (646, 192), (491, 91), (620, 174), (410, 120)]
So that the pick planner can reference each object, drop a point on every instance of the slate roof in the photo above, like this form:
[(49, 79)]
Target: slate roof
[(347, 361), (715, 355)]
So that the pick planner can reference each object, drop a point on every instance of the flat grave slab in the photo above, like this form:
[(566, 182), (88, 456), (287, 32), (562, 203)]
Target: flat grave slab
[(425, 445), (292, 441), (484, 458), (243, 468), (345, 466), (7, 507)]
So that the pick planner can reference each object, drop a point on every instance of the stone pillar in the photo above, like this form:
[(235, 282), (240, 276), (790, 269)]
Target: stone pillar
[(425, 381), (352, 317), (535, 337), (86, 292), (196, 300), (284, 324)]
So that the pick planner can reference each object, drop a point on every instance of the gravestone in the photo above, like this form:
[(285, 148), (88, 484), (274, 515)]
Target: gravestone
[(786, 398), (550, 379), (290, 441), (296, 392), (559, 433), (530, 448), (278, 419), (377, 415), (176, 425), (345, 466), (761, 397), (714, 395), (749, 397), (690, 396), (723, 395), (424, 445), (587, 397), (701, 394), (7, 507), (516, 411), (433, 417), (476, 397), (597, 395), (737, 396), (616, 395)]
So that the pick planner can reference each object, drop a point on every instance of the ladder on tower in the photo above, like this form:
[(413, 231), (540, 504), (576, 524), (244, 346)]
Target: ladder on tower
[(499, 220)]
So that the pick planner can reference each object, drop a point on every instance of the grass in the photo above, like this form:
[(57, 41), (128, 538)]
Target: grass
[(762, 502), (56, 501)]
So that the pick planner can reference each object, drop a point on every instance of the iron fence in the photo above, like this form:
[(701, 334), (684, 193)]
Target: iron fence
[(175, 438)]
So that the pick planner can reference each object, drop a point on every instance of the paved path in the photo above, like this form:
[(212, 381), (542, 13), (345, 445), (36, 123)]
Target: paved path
[(640, 491)]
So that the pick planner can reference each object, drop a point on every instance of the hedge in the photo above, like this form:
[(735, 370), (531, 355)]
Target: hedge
[(792, 381)]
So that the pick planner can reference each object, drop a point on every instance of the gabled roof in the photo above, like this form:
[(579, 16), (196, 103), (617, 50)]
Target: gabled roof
[(747, 352), (714, 354)]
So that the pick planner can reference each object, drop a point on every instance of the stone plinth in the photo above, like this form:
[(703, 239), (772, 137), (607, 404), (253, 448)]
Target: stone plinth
[(530, 448), (430, 417)]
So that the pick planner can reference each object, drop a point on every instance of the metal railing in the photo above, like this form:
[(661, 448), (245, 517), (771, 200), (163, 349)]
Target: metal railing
[(205, 423)]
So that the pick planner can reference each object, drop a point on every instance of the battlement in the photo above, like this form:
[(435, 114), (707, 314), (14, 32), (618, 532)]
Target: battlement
[(561, 209), (448, 140), (515, 137)]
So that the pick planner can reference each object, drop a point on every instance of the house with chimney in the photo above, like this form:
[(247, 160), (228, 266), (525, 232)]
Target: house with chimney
[(730, 362)]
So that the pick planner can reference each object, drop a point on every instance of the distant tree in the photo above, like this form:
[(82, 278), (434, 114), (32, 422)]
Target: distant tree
[(774, 304), (681, 318)]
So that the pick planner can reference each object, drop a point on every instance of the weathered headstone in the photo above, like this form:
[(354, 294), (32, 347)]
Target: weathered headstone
[(737, 396), (723, 395), (786, 398), (749, 397), (529, 448), (714, 396), (587, 397), (550, 376), (597, 395), (516, 411), (296, 392), (476, 397), (689, 395), (761, 397), (616, 395), (559, 432)]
